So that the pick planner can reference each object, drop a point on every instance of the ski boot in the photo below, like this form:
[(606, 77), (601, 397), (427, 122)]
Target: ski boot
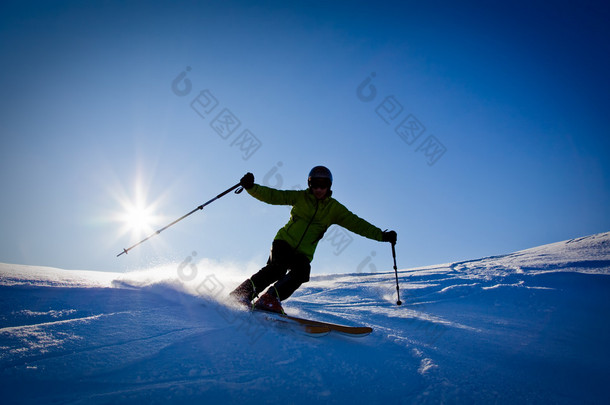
[(269, 302), (244, 294)]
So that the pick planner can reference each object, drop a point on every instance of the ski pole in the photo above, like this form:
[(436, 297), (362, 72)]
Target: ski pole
[(239, 190), (398, 301)]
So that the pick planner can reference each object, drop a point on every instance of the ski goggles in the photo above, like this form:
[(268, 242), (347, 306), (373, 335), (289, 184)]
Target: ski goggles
[(320, 183)]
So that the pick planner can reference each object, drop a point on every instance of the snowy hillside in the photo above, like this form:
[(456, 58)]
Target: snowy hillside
[(530, 327)]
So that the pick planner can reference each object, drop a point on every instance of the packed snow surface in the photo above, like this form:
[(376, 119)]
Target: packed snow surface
[(528, 327)]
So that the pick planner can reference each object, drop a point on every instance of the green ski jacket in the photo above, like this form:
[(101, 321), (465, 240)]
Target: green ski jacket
[(310, 217)]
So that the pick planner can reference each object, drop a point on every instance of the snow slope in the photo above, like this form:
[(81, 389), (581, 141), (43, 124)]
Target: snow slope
[(530, 327)]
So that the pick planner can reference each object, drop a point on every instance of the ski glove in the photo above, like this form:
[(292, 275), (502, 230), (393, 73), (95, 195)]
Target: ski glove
[(389, 236), (247, 181)]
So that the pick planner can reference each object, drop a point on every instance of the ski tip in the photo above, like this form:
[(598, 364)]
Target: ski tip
[(356, 331), (316, 331)]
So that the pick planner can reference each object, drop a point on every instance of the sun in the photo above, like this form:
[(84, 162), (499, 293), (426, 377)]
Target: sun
[(138, 218), (136, 215)]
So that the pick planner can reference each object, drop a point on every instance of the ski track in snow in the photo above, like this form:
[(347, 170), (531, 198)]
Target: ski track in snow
[(531, 326)]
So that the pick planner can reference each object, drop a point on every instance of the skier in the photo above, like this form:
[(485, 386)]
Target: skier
[(313, 211)]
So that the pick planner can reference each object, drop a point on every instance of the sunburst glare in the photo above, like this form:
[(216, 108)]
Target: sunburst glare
[(138, 218), (137, 215)]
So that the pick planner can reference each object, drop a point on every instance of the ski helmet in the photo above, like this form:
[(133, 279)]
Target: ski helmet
[(322, 173)]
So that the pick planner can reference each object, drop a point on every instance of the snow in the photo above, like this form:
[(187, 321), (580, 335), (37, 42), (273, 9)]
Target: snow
[(530, 326)]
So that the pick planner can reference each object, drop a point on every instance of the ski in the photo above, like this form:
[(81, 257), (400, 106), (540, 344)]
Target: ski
[(283, 321), (355, 331)]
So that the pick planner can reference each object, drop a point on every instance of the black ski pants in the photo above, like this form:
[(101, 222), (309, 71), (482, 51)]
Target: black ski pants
[(286, 267)]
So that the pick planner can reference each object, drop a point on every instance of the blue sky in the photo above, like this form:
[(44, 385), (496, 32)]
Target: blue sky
[(483, 129)]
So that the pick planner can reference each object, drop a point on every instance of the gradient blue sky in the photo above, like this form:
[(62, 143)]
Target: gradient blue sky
[(516, 94)]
